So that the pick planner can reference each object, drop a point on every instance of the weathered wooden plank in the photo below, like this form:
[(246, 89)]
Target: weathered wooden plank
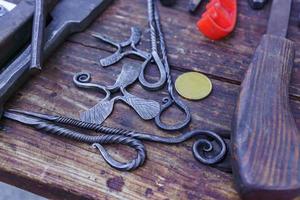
[(189, 50), (59, 168), (55, 168)]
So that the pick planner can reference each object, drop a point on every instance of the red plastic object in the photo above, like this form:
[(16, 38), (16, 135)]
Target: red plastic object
[(219, 19)]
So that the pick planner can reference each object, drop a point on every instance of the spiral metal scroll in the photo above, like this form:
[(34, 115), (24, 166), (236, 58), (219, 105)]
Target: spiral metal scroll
[(202, 149)]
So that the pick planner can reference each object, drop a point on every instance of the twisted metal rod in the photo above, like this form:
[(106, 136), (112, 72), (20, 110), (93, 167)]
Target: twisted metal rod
[(203, 148), (41, 122), (172, 99)]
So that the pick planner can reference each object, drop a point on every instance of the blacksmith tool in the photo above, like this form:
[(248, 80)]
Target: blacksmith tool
[(209, 148), (121, 51), (37, 40), (257, 4), (265, 138), (147, 109), (15, 27), (172, 99), (148, 57), (68, 17), (157, 46)]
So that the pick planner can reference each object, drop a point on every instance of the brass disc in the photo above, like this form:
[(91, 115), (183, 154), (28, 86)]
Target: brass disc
[(193, 85)]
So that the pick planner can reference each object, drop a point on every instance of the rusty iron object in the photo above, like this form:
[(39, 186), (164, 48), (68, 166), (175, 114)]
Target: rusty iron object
[(16, 26)]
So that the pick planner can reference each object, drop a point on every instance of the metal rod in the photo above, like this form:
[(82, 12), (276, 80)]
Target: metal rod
[(38, 36)]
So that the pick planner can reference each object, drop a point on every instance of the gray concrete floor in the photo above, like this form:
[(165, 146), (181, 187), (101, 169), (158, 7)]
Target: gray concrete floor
[(8, 192)]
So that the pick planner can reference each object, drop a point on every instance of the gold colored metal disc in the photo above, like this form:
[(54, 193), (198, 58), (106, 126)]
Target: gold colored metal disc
[(193, 85)]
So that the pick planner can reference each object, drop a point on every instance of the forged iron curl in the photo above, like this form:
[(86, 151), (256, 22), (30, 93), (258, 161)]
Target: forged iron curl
[(145, 108), (171, 99), (202, 148), (158, 46), (41, 123)]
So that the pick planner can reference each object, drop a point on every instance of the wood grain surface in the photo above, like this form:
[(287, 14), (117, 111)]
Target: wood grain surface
[(62, 169), (265, 139)]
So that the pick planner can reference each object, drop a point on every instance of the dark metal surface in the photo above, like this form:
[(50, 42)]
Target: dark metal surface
[(157, 38), (147, 109), (95, 141), (155, 56), (121, 52), (194, 4), (209, 148), (171, 99), (257, 4), (152, 57), (279, 18), (38, 35), (68, 17), (168, 2), (15, 28)]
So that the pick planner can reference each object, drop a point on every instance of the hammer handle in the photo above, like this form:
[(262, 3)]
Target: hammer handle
[(265, 139)]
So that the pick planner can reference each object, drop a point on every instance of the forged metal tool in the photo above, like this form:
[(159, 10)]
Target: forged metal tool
[(209, 148), (52, 125), (37, 41), (265, 139), (157, 38), (155, 56), (15, 27), (68, 17), (171, 99), (148, 57), (121, 53), (147, 109)]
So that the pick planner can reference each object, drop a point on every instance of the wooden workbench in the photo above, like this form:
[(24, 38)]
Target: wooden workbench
[(59, 168)]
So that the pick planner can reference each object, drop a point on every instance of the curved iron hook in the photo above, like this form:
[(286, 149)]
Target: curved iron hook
[(172, 99), (167, 103), (163, 77), (83, 80), (203, 148), (40, 123)]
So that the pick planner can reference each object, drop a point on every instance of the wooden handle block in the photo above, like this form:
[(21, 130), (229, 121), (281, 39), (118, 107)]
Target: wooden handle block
[(265, 139)]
